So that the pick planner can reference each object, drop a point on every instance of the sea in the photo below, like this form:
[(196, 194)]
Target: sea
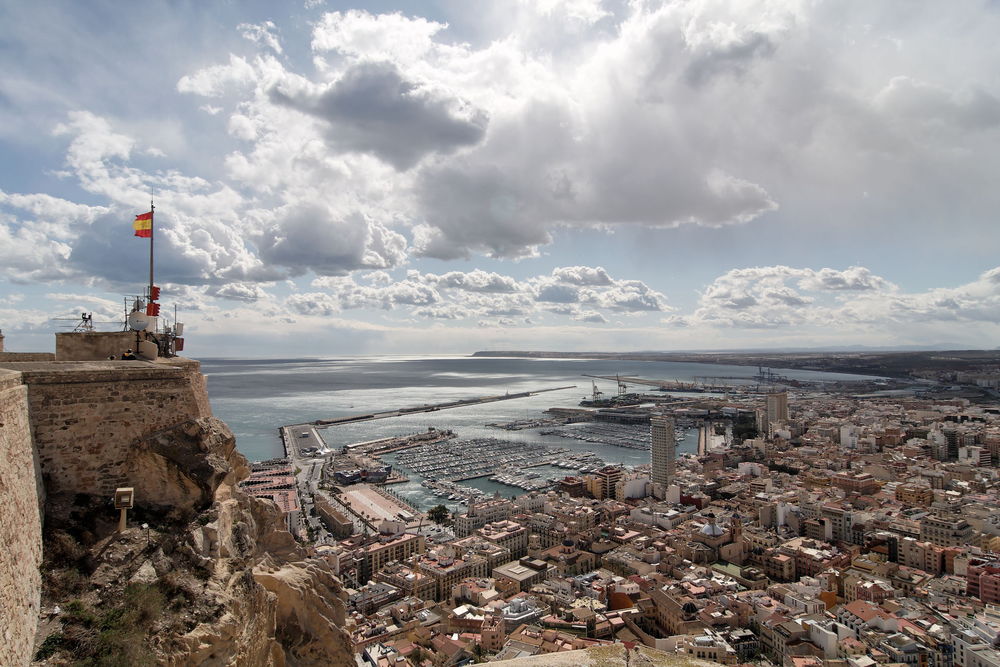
[(257, 396)]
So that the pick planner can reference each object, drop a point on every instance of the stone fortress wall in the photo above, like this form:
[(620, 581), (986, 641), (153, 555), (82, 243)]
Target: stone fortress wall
[(21, 496), (94, 345), (88, 426), (66, 428), (85, 416)]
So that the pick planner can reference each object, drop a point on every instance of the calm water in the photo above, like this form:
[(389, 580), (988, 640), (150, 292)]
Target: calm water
[(257, 396)]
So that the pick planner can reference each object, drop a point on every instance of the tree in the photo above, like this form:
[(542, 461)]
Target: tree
[(438, 514)]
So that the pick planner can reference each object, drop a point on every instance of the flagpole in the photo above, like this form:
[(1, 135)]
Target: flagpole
[(151, 232)]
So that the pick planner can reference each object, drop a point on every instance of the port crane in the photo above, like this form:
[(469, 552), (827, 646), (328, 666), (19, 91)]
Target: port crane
[(596, 393)]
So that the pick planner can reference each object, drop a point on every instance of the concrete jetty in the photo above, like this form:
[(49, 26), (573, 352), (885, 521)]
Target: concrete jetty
[(433, 407)]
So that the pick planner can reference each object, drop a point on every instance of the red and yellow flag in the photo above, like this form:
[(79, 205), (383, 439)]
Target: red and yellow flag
[(143, 225)]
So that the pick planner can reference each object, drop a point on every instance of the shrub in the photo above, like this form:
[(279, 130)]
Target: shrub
[(49, 646)]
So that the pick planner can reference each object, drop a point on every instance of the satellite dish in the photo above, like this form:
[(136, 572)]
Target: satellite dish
[(138, 320)]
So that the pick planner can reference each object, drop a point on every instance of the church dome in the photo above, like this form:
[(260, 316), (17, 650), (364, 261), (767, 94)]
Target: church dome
[(711, 530)]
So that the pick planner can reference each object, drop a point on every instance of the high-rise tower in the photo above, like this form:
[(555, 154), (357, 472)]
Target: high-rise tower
[(777, 408), (663, 450)]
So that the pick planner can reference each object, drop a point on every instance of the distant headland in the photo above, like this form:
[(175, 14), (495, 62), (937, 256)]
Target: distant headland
[(885, 363)]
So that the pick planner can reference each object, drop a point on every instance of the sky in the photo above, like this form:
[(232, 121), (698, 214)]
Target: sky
[(448, 176)]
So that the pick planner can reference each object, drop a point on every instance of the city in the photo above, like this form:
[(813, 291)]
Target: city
[(812, 527), (549, 333)]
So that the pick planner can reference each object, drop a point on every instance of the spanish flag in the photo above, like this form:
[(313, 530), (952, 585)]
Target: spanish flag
[(143, 225)]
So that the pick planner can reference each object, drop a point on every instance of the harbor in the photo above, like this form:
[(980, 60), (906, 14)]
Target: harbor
[(615, 435), (450, 452), (458, 460), (434, 407)]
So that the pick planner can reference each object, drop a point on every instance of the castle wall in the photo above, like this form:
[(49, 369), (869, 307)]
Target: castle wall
[(20, 525), (93, 345), (26, 356), (85, 417)]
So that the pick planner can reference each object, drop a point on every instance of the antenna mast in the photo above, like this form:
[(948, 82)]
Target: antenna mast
[(152, 232)]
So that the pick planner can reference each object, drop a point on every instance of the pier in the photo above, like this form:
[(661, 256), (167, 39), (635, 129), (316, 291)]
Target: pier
[(433, 407), (694, 387)]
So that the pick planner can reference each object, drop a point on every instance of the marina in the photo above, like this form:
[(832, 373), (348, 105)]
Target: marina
[(307, 392), (457, 460), (616, 435)]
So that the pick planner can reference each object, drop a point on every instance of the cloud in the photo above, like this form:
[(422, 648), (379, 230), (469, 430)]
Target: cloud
[(574, 114), (311, 237), (925, 103), (473, 281), (774, 297), (855, 278), (558, 294), (372, 109), (591, 316), (261, 33), (582, 275), (238, 75), (628, 296), (360, 35), (480, 294), (245, 292), (448, 312), (317, 304)]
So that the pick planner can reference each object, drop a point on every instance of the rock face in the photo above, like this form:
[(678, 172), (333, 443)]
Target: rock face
[(606, 656), (281, 607), (181, 468), (310, 611), (249, 594), (215, 580)]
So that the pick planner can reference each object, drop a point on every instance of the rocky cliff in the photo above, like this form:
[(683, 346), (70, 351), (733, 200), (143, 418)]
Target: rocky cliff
[(215, 580)]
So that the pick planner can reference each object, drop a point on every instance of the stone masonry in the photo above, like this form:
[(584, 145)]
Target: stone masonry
[(20, 525), (85, 417)]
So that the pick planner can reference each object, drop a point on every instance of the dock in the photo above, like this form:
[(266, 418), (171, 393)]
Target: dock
[(433, 407), (686, 387)]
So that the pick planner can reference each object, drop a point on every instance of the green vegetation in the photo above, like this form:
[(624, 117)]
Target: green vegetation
[(438, 514), (50, 645), (110, 635)]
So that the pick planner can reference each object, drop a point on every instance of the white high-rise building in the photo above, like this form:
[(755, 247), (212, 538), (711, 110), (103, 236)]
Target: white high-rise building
[(663, 450)]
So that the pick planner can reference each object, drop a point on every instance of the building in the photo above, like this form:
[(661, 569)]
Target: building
[(408, 581), (777, 408), (983, 580), (860, 483), (946, 531), (480, 514), (525, 573), (607, 477), (508, 534), (336, 522), (914, 494), (663, 450), (386, 549), (493, 633), (446, 569)]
